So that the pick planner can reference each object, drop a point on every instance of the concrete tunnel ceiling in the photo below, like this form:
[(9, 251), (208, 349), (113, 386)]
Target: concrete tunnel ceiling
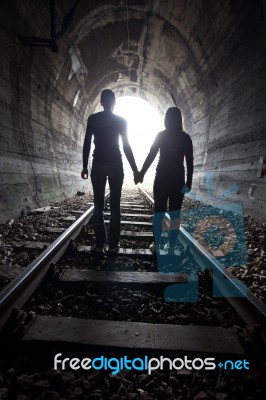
[(207, 57), (139, 49)]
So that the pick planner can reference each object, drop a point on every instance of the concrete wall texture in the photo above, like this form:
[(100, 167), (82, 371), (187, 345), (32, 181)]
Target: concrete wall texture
[(207, 57)]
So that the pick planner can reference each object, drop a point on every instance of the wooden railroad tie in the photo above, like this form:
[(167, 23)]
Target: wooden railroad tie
[(136, 234), (121, 251), (132, 223), (130, 252), (32, 245), (43, 209), (136, 209), (68, 219), (132, 204), (80, 212), (80, 275), (134, 335), (132, 215)]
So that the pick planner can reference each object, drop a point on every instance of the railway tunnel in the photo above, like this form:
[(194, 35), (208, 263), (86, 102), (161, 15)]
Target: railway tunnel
[(206, 57)]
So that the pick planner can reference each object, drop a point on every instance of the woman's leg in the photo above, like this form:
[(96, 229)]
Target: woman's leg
[(160, 195), (175, 204)]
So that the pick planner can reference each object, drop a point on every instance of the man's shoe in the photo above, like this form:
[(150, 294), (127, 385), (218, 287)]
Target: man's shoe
[(114, 250), (99, 250)]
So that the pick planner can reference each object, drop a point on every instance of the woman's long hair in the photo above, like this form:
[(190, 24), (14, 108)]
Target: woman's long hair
[(173, 119)]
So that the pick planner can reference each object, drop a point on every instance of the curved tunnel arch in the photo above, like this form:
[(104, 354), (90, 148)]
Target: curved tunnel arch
[(192, 54), (175, 38)]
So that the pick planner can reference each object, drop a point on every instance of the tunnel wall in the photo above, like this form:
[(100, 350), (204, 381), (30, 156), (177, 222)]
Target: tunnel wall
[(41, 132), (231, 166)]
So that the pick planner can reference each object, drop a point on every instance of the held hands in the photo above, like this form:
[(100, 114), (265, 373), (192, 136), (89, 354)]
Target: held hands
[(138, 177), (84, 173)]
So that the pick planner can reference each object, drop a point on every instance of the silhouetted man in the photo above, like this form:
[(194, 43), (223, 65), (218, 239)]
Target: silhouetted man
[(107, 163)]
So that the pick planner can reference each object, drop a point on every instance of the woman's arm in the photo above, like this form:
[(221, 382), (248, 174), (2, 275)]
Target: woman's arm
[(189, 161), (151, 156)]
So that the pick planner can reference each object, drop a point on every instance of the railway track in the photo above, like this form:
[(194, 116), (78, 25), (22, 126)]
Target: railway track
[(93, 306)]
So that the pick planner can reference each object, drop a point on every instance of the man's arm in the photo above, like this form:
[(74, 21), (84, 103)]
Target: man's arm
[(189, 162), (127, 148), (86, 150)]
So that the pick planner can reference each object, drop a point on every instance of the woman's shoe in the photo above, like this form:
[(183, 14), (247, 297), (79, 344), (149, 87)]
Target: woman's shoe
[(170, 249)]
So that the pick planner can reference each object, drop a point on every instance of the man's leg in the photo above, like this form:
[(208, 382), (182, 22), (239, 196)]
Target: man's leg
[(115, 183), (98, 179)]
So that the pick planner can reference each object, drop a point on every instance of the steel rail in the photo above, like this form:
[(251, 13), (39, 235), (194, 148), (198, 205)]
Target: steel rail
[(244, 301), (21, 288)]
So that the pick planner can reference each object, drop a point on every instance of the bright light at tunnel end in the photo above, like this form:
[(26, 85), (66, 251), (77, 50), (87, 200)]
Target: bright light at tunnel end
[(144, 122)]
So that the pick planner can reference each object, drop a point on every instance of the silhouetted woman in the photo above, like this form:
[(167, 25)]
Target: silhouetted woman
[(170, 184)]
